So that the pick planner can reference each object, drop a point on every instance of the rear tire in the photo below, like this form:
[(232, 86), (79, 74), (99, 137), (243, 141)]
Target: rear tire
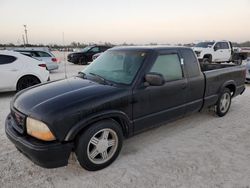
[(224, 103), (99, 145), (27, 81), (239, 62)]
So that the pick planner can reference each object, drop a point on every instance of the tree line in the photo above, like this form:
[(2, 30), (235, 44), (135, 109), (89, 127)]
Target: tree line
[(82, 45)]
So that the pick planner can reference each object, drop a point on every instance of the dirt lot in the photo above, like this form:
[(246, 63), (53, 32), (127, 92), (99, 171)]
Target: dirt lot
[(201, 150)]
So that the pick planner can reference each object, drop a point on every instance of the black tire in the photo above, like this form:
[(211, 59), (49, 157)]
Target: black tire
[(27, 81), (83, 61), (239, 62), (220, 111), (84, 145), (206, 60)]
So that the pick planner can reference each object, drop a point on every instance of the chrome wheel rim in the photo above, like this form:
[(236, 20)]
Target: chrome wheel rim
[(102, 146), (225, 102)]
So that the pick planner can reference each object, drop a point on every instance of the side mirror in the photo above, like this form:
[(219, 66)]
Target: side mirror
[(154, 79), (215, 48)]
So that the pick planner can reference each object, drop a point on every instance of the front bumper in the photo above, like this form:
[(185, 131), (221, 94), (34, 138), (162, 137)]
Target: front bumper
[(52, 66), (44, 154), (72, 59)]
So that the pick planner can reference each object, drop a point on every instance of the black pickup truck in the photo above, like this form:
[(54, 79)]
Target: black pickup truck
[(86, 55), (123, 92)]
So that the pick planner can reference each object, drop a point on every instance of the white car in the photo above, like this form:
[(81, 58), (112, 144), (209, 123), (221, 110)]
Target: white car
[(45, 56), (18, 71)]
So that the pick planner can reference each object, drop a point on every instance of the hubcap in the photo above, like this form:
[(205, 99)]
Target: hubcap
[(102, 146), (225, 102)]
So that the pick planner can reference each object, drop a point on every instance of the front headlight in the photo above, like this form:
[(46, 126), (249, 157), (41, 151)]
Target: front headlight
[(198, 53), (39, 130)]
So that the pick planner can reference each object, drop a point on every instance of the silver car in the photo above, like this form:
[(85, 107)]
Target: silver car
[(248, 70), (50, 60)]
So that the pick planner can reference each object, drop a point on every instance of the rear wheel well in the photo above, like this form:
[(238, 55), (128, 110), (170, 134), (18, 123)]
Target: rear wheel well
[(208, 56), (27, 76), (232, 89)]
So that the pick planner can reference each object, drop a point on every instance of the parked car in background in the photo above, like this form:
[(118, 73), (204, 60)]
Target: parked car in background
[(96, 56), (45, 56), (248, 70), (18, 71), (123, 92), (218, 52), (86, 54)]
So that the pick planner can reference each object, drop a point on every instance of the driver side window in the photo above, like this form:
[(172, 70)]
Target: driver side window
[(218, 46), (169, 66)]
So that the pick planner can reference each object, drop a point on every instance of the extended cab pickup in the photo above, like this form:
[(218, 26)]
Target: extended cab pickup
[(123, 92)]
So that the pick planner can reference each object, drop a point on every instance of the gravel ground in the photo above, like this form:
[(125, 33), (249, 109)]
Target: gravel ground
[(201, 150)]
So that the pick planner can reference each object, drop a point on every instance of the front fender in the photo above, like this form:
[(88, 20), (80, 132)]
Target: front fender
[(125, 122)]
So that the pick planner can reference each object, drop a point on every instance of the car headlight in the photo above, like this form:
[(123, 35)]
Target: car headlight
[(198, 53), (39, 130)]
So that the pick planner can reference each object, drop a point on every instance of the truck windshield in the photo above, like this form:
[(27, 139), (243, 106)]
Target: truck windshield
[(116, 66), (204, 44)]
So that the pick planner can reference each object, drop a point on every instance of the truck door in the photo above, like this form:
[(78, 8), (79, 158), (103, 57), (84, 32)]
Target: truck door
[(227, 51), (157, 104), (222, 52)]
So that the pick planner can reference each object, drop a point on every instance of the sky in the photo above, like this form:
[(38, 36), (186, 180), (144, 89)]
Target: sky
[(130, 21)]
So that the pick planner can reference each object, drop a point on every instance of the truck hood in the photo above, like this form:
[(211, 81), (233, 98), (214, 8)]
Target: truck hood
[(199, 49), (77, 54), (51, 98), (62, 104)]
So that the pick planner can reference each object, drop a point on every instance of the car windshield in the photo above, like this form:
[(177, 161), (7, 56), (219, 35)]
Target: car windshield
[(119, 67), (204, 44), (86, 48)]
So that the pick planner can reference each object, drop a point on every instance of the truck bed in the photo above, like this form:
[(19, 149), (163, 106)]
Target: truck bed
[(217, 75)]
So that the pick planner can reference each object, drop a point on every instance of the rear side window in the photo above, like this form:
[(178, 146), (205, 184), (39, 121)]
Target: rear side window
[(5, 59), (43, 54), (169, 66), (190, 62)]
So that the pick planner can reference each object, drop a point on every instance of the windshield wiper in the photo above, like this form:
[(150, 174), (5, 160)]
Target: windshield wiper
[(104, 81)]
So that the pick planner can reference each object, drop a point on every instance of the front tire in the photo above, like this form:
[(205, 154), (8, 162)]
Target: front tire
[(224, 103), (99, 145), (83, 61), (206, 61)]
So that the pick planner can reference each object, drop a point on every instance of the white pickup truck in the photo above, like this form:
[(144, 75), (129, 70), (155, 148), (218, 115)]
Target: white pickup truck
[(218, 52)]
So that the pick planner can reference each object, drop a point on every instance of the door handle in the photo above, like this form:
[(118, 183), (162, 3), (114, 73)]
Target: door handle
[(183, 86)]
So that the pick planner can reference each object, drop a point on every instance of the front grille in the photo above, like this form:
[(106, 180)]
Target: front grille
[(19, 121)]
